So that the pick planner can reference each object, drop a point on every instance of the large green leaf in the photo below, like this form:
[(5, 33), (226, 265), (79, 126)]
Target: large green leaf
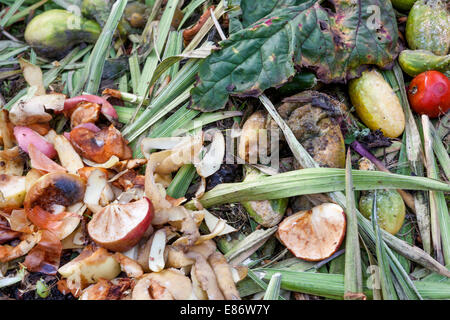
[(337, 43), (252, 11)]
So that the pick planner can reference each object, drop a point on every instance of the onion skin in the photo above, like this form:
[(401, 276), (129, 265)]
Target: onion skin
[(45, 256), (41, 162), (107, 109), (46, 220), (25, 136)]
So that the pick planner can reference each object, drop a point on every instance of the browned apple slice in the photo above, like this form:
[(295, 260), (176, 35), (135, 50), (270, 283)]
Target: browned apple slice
[(314, 234), (118, 227)]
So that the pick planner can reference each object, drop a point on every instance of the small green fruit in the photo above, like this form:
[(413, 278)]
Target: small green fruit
[(390, 209), (55, 32), (428, 27)]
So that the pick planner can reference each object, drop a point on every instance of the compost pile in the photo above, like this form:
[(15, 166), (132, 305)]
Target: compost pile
[(224, 150)]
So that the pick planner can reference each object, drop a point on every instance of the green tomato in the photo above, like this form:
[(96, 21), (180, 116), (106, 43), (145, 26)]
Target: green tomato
[(390, 209)]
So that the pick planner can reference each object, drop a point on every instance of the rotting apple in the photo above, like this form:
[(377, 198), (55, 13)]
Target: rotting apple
[(118, 227), (314, 234), (54, 193), (58, 188)]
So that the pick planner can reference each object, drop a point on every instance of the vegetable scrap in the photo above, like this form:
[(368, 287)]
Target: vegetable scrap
[(224, 150)]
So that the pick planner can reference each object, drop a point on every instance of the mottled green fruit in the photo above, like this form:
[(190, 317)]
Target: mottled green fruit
[(403, 4), (54, 32), (267, 213), (414, 62), (390, 209), (428, 27)]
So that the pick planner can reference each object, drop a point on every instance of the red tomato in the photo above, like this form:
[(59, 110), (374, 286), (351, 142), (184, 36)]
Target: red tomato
[(429, 93)]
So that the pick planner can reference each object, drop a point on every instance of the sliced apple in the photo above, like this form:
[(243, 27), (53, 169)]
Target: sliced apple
[(89, 267), (314, 234), (12, 191), (156, 261), (118, 227)]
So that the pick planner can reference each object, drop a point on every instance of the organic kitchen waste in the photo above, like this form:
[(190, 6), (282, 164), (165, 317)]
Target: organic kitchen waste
[(224, 150)]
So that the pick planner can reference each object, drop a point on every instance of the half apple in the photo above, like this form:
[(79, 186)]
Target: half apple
[(119, 227), (314, 234)]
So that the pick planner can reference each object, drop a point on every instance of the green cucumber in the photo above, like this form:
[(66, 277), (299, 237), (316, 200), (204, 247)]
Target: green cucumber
[(414, 62)]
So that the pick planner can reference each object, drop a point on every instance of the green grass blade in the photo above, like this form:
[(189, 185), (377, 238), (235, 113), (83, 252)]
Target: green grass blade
[(13, 53), (320, 284), (181, 181), (169, 127), (273, 289), (387, 284), (249, 245), (153, 59), (189, 10), (207, 118), (12, 10), (406, 232), (332, 285), (313, 180), (125, 113), (177, 87), (353, 273), (405, 283), (24, 13), (440, 152), (135, 71), (440, 221), (253, 276), (92, 73)]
